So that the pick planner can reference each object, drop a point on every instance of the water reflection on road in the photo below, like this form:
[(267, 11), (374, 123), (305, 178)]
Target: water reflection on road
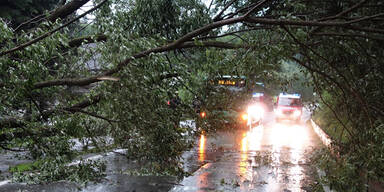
[(273, 157), (288, 143), (267, 158), (201, 148)]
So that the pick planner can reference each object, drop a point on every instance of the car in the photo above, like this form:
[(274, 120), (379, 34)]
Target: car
[(288, 107), (256, 109)]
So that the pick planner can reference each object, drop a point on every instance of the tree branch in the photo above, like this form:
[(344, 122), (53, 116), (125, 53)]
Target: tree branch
[(179, 43), (333, 111), (349, 35), (255, 7), (339, 15), (61, 12), (19, 122), (93, 79), (110, 121), (216, 44), (235, 32), (38, 18), (344, 12), (89, 39), (347, 83), (283, 22), (364, 18), (218, 16), (47, 34), (66, 9)]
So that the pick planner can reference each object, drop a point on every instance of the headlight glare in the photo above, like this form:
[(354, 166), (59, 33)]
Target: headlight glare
[(255, 111), (297, 113), (279, 112)]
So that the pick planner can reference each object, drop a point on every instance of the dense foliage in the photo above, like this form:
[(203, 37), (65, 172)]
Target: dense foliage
[(57, 85), (18, 11)]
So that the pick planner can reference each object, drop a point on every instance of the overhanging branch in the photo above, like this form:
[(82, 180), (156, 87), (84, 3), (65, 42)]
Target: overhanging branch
[(61, 12), (66, 9), (47, 34), (97, 78), (349, 35)]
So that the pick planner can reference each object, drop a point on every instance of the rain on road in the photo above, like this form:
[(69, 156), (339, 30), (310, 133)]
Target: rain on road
[(268, 158), (271, 157)]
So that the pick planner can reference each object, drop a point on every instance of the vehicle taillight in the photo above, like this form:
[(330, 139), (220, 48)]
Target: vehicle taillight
[(203, 114)]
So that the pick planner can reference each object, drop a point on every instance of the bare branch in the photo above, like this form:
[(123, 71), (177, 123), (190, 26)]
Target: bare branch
[(230, 15), (340, 14), (218, 16), (345, 11), (210, 4), (364, 18), (87, 102), (255, 7), (35, 19)]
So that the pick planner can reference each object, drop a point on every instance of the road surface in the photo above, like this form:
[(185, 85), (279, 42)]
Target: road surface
[(271, 157)]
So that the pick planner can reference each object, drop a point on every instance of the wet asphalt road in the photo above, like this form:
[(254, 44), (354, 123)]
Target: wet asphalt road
[(271, 157)]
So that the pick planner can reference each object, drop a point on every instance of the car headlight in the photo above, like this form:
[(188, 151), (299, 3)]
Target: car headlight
[(297, 113), (279, 112), (244, 117), (255, 111)]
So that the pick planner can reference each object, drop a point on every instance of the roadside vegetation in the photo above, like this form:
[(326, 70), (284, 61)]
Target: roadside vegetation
[(65, 76)]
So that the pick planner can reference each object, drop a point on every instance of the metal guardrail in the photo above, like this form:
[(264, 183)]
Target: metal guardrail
[(327, 141)]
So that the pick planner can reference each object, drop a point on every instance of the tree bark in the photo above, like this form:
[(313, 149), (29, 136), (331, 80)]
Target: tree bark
[(66, 9)]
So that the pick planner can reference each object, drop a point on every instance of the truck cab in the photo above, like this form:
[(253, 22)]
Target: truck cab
[(288, 107)]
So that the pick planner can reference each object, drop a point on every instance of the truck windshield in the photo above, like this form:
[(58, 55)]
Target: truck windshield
[(286, 101)]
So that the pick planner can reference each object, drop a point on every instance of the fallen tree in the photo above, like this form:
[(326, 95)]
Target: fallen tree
[(140, 44)]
